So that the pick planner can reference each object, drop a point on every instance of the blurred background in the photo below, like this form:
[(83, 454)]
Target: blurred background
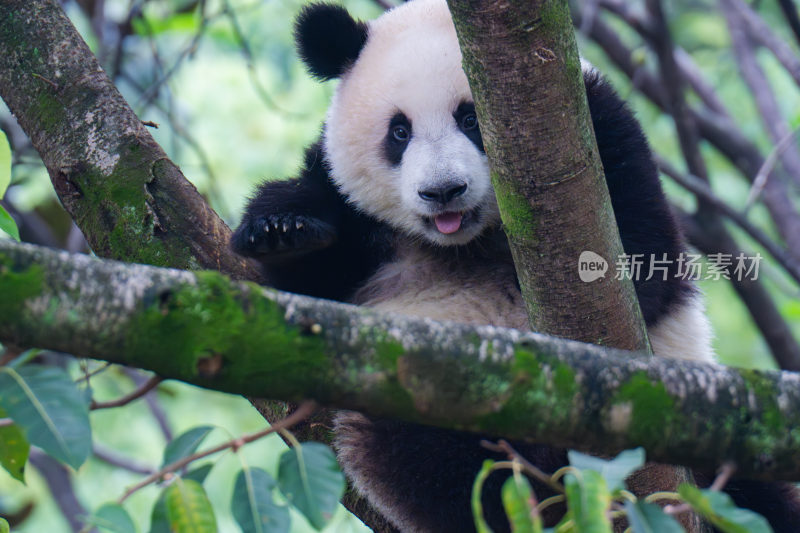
[(716, 85)]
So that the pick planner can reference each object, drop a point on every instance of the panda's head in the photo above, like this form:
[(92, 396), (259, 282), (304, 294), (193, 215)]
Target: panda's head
[(401, 137)]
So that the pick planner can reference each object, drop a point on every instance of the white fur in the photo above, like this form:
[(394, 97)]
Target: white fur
[(684, 333), (411, 63)]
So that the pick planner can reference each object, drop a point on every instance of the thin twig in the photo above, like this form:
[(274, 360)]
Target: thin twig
[(115, 459), (128, 398), (503, 446), (725, 472), (761, 33), (755, 78), (766, 169), (302, 412)]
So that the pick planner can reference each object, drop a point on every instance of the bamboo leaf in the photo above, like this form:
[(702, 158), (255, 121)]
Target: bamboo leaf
[(252, 504), (188, 508), (311, 480), (50, 409), (14, 449)]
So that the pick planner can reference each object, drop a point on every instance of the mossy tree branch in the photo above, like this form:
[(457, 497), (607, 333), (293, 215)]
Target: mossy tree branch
[(205, 329), (128, 198)]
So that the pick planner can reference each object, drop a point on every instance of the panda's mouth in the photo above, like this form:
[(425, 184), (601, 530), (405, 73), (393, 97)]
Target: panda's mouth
[(451, 222)]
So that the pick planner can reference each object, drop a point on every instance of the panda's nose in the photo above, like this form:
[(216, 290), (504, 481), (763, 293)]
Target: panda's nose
[(444, 193)]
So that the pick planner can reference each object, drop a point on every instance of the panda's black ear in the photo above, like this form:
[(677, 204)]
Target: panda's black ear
[(328, 39)]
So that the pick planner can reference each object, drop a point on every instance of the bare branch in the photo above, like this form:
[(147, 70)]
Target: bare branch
[(760, 32), (755, 78), (704, 192), (151, 384)]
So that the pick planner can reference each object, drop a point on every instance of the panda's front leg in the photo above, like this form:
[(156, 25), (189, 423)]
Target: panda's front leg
[(276, 237)]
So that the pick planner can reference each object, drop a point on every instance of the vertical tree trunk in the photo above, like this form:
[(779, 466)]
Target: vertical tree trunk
[(522, 62), (525, 73)]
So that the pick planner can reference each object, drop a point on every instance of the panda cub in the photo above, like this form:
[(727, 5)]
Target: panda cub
[(395, 210)]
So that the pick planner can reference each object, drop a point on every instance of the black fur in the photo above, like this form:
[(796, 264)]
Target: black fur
[(464, 110), (393, 146), (333, 252), (646, 225), (338, 248), (328, 39)]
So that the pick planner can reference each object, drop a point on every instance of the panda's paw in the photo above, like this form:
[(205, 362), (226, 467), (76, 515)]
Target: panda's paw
[(283, 235)]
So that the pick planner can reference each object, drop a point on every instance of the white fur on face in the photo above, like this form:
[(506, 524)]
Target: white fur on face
[(411, 64)]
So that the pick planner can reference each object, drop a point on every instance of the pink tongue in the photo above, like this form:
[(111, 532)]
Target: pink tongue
[(448, 222)]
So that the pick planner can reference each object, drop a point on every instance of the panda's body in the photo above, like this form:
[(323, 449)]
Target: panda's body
[(394, 210)]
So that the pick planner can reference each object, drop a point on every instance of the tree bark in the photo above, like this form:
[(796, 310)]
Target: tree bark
[(128, 198), (238, 337), (525, 74)]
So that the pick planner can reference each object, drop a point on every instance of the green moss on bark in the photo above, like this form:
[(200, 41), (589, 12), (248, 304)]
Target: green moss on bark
[(653, 407), (16, 286)]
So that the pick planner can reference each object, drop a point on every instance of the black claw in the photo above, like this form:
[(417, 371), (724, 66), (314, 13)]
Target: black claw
[(300, 234)]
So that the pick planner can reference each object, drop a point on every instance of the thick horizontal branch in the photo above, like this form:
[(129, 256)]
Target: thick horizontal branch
[(205, 329)]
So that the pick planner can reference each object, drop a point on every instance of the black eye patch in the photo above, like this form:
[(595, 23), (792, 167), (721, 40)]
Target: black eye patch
[(467, 122), (397, 138)]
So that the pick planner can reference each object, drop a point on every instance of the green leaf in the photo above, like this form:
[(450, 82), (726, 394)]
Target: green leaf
[(8, 225), (718, 508), (517, 498), (200, 473), (113, 517), (185, 444), (650, 518), (4, 527), (159, 521), (253, 506), (50, 409), (14, 449), (588, 500), (188, 508), (311, 480), (615, 470), (5, 164)]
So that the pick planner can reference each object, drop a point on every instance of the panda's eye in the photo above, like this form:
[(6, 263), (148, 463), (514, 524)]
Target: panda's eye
[(469, 122), (400, 133)]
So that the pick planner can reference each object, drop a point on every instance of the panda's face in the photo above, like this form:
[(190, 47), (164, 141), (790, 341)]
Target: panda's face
[(402, 138)]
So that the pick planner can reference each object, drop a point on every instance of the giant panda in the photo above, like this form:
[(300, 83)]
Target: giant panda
[(394, 209)]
